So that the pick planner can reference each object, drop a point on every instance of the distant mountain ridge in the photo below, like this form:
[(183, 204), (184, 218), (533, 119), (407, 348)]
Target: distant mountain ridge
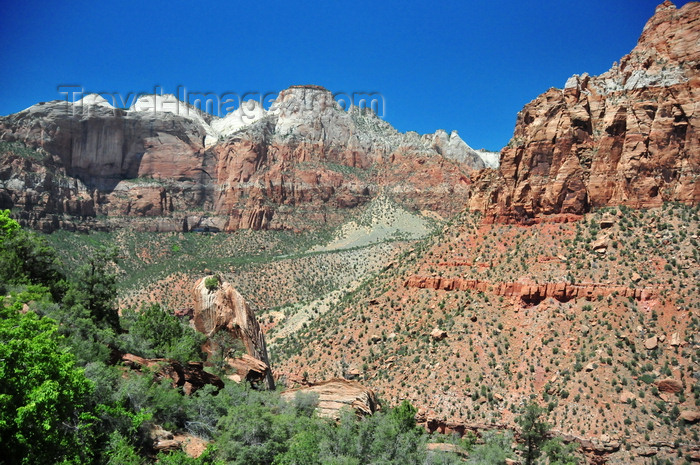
[(164, 165)]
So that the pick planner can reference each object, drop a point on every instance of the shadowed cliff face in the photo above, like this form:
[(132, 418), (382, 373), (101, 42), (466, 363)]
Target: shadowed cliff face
[(101, 145), (255, 169), (626, 137)]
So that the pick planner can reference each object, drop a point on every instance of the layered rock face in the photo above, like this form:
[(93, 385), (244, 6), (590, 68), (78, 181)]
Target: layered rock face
[(36, 185), (529, 292), (336, 394), (626, 137), (224, 317), (163, 165), (102, 146)]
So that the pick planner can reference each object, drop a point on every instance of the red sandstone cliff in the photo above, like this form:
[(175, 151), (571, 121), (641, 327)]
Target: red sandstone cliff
[(627, 137), (299, 165)]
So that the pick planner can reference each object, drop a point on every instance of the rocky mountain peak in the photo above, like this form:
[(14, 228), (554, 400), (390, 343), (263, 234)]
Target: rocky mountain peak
[(625, 137), (666, 5), (309, 98), (169, 103), (93, 99), (246, 114), (453, 147), (668, 44), (309, 112)]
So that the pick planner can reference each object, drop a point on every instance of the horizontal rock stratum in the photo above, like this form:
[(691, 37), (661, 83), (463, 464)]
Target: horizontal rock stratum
[(336, 394), (530, 292)]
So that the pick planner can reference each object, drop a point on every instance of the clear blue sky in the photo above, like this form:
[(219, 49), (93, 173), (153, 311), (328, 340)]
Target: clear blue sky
[(469, 66)]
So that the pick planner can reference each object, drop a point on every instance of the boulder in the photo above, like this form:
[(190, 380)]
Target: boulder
[(247, 368), (669, 385), (438, 334), (608, 221), (167, 445), (651, 343), (601, 244), (691, 416), (221, 308), (675, 339)]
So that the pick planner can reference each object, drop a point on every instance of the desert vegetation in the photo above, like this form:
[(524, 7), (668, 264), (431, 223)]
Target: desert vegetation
[(596, 365)]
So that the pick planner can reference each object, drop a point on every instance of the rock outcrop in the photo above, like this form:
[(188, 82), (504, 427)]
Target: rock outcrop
[(691, 416), (528, 292), (190, 376), (669, 385), (247, 368), (336, 394), (626, 137), (35, 185), (162, 165), (221, 314)]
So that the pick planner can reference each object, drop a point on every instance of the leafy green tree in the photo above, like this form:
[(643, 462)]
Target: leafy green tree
[(25, 258), (89, 342), (558, 453), (84, 308), (404, 415), (120, 451), (8, 226), (251, 435), (382, 438), (303, 449), (95, 289), (42, 394), (305, 403), (533, 431), (154, 332), (211, 282), (494, 451), (181, 458)]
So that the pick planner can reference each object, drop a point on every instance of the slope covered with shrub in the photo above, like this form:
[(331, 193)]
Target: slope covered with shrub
[(63, 399)]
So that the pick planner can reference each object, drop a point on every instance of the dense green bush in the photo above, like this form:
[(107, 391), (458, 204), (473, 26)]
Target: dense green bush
[(211, 283), (154, 332), (43, 395), (27, 259)]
